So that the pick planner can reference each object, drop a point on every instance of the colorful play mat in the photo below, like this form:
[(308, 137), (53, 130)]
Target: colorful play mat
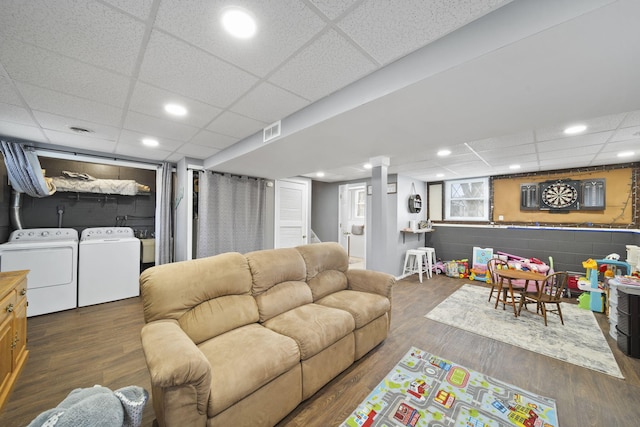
[(426, 390)]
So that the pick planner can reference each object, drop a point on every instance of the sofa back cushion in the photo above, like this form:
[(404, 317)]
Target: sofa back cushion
[(278, 281), (326, 265), (208, 296)]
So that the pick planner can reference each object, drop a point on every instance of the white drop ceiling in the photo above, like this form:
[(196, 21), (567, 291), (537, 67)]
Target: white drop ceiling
[(494, 81)]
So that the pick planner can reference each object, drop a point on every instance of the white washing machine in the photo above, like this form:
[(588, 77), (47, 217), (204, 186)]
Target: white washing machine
[(51, 256), (108, 265)]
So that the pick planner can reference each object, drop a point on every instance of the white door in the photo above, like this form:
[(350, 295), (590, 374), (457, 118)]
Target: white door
[(291, 214)]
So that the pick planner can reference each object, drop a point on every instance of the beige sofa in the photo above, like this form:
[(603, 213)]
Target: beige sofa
[(236, 340)]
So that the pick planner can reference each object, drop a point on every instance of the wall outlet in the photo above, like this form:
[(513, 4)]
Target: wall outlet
[(500, 217)]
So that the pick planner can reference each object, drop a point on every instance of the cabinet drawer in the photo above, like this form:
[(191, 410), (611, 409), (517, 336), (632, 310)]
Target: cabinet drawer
[(8, 305)]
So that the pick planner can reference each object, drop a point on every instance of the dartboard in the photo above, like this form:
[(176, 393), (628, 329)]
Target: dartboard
[(560, 195)]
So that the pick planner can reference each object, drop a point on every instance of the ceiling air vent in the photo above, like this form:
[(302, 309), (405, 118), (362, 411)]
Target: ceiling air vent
[(270, 132)]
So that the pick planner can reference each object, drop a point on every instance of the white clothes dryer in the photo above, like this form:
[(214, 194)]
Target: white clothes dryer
[(51, 256), (108, 265)]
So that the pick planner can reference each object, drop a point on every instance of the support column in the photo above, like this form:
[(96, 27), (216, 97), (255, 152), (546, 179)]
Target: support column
[(377, 244)]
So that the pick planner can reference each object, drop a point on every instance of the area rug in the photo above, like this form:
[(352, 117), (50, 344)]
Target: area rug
[(580, 341), (426, 390)]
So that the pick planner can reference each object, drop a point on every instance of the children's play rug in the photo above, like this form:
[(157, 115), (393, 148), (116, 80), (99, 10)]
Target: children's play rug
[(580, 341), (425, 390)]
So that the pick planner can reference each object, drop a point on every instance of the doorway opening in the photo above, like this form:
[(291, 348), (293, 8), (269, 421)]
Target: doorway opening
[(352, 213)]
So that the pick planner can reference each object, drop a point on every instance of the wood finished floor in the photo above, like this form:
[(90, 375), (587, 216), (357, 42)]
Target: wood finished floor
[(101, 345)]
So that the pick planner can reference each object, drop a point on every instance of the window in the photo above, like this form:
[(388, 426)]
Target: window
[(467, 200), (358, 203)]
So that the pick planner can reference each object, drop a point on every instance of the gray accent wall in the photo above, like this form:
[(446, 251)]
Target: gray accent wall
[(567, 247)]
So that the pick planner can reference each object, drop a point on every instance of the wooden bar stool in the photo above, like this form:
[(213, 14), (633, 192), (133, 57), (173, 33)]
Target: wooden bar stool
[(413, 262)]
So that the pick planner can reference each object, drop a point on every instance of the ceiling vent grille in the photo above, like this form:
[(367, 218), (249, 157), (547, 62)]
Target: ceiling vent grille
[(270, 132)]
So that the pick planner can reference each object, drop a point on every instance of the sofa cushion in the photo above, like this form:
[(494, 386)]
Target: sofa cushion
[(217, 316), (314, 327), (326, 265), (272, 266), (363, 306), (170, 290), (237, 372), (282, 297)]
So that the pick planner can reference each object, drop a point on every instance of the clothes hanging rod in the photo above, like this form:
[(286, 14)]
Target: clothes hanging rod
[(93, 155)]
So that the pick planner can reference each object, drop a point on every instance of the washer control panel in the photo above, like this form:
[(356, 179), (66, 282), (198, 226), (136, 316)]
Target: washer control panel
[(43, 234), (107, 233)]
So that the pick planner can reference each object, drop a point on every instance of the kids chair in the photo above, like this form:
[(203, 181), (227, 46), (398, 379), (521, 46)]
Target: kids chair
[(549, 294)]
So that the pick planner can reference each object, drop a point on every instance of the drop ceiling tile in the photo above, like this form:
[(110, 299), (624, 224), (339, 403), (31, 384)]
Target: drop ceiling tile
[(323, 67), (332, 8), (269, 103), (575, 143), (556, 163), (15, 114), (626, 134), (86, 141), (85, 30), (29, 64), (388, 32), (502, 141), (153, 126), (134, 139), (150, 100), (632, 119), (478, 167), (235, 125), (213, 140), (174, 157), (518, 152), (282, 28), (189, 71), (62, 124), (594, 125), (70, 106), (196, 151), (570, 153), (8, 93), (626, 145), (141, 152), (14, 130), (139, 8)]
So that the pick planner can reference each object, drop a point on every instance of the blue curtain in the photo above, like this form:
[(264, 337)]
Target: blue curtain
[(24, 171)]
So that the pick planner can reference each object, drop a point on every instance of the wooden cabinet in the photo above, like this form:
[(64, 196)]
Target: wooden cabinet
[(13, 330)]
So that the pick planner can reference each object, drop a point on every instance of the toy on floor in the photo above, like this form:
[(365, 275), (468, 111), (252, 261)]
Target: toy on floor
[(481, 257)]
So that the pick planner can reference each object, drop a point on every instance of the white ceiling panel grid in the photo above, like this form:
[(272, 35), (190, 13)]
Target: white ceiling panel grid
[(350, 80)]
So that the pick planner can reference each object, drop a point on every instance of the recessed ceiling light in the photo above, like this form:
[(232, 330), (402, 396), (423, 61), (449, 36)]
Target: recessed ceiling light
[(367, 166), (572, 130), (150, 142), (440, 175), (239, 23), (626, 154), (513, 167), (443, 153), (320, 174), (175, 109)]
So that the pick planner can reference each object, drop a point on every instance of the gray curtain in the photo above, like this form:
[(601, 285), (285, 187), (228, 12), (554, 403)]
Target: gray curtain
[(231, 212), (164, 228), (24, 171)]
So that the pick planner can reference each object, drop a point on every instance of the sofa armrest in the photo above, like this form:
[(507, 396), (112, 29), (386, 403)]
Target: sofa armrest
[(373, 282), (177, 366)]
